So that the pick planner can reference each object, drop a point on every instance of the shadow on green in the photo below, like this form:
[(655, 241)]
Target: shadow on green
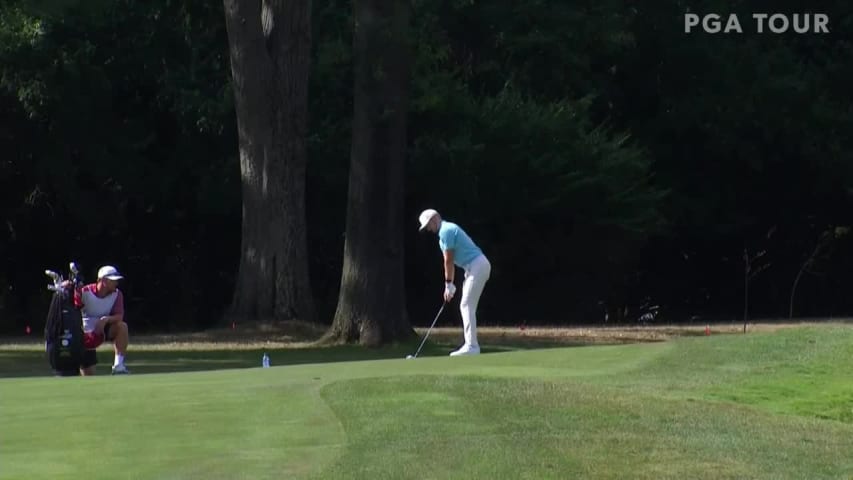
[(32, 362)]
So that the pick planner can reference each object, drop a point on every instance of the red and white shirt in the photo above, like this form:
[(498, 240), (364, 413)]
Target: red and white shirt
[(94, 307)]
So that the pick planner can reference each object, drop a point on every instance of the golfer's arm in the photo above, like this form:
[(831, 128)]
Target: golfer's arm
[(448, 266)]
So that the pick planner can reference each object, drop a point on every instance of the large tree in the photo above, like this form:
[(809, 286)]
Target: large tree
[(270, 43), (371, 305)]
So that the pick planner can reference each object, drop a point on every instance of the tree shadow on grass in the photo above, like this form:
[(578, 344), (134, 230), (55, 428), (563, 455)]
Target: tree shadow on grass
[(30, 361)]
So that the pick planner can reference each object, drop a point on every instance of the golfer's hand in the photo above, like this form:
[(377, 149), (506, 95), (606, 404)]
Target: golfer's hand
[(449, 291)]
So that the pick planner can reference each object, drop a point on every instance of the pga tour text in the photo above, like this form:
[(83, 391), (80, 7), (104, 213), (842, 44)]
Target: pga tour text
[(760, 23)]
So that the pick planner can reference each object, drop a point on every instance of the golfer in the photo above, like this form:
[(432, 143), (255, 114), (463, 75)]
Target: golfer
[(459, 249)]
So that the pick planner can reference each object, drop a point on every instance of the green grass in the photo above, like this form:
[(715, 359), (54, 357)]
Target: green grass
[(762, 405)]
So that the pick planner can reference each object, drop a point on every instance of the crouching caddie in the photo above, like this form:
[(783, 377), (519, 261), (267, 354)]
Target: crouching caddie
[(102, 308)]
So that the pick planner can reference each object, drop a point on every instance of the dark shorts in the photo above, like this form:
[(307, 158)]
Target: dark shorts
[(90, 356)]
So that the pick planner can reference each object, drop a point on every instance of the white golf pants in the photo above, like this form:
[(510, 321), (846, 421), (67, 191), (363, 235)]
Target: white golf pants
[(476, 274)]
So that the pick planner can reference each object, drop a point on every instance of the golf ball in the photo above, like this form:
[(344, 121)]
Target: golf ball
[(409, 357)]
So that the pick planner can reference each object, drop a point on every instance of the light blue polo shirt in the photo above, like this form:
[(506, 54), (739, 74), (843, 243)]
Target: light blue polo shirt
[(452, 237)]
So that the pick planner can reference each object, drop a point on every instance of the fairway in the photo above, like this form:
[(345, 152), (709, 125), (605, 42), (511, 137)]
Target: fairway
[(763, 405)]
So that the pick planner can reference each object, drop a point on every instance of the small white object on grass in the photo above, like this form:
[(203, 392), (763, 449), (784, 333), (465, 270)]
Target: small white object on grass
[(409, 357)]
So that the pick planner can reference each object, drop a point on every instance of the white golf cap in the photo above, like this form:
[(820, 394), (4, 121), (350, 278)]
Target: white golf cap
[(109, 272), (425, 217)]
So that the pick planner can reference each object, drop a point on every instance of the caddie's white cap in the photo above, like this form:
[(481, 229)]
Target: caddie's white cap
[(109, 272), (425, 217)]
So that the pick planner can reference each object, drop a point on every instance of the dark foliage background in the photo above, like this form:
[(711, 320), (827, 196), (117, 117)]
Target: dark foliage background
[(601, 157)]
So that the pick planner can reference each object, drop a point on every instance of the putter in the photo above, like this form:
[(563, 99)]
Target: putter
[(409, 357)]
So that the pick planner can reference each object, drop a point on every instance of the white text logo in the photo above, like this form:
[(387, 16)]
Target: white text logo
[(761, 22)]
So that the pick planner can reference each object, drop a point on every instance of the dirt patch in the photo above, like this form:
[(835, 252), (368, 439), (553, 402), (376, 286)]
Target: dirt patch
[(304, 335), (595, 334)]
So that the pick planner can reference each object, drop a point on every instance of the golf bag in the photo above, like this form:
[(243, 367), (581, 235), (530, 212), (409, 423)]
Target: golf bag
[(63, 330)]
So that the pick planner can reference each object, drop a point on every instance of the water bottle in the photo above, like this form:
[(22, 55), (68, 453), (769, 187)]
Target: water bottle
[(266, 361)]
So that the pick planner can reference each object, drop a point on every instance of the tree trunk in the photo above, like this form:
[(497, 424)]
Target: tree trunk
[(371, 305), (250, 73), (287, 27), (269, 47), (822, 241), (747, 268), (794, 291)]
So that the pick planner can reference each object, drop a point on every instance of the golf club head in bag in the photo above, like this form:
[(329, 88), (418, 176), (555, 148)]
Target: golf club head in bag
[(409, 357), (56, 278), (74, 274)]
